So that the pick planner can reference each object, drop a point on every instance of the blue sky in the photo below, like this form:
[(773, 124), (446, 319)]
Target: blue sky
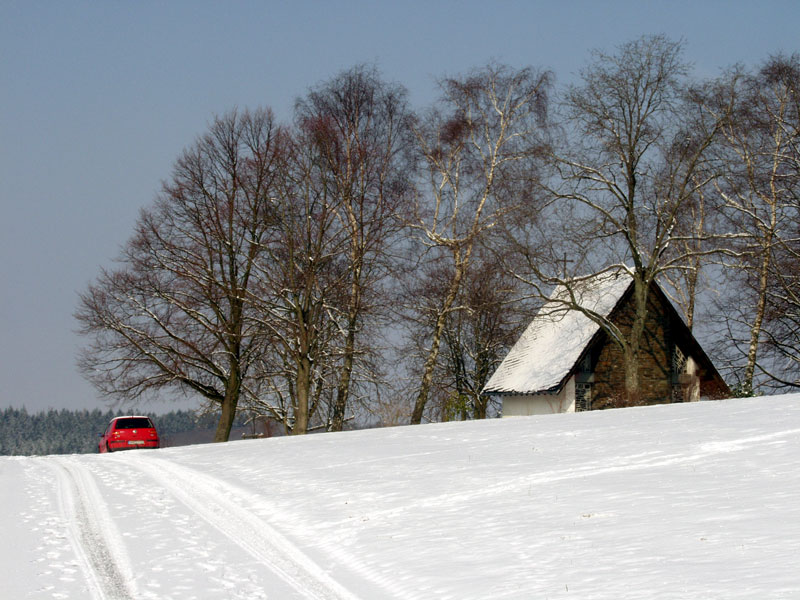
[(97, 99)]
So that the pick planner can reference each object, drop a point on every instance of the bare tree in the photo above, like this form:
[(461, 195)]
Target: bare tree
[(361, 129), (782, 330), (478, 150), (302, 275), (758, 156), (175, 315), (492, 315), (631, 166), (690, 253)]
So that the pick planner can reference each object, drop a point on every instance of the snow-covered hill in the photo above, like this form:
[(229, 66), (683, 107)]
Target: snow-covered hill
[(682, 501)]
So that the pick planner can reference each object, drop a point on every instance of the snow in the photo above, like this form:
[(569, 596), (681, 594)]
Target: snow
[(680, 501), (551, 345)]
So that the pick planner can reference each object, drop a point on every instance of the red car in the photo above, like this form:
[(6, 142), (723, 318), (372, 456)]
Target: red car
[(128, 433)]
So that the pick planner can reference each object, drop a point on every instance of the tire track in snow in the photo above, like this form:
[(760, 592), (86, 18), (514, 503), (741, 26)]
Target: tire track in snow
[(90, 530), (222, 507)]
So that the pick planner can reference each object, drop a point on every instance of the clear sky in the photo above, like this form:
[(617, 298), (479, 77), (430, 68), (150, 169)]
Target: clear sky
[(97, 99)]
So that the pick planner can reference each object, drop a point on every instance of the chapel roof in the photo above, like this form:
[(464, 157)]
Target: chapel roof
[(554, 341)]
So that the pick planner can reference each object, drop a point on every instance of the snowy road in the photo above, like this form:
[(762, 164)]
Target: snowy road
[(229, 511), (673, 502), (189, 535), (92, 533)]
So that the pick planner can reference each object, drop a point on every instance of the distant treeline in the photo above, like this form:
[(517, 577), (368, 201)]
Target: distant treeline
[(77, 431)]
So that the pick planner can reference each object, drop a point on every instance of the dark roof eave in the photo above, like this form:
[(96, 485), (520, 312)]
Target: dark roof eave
[(553, 390)]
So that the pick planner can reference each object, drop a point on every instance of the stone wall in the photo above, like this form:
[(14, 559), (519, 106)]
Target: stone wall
[(655, 366)]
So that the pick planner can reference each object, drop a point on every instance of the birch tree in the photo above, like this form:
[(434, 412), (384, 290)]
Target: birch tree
[(782, 333), (492, 315), (175, 315), (478, 150), (691, 253), (758, 156)]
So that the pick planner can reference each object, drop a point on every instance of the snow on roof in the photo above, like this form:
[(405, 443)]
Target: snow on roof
[(555, 339)]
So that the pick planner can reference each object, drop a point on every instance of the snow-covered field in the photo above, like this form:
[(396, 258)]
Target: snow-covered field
[(683, 501)]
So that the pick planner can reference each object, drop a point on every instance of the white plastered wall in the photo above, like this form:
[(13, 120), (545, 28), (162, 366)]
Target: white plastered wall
[(693, 391), (541, 404)]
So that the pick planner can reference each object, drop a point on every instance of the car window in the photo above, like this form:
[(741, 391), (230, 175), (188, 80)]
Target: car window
[(133, 423)]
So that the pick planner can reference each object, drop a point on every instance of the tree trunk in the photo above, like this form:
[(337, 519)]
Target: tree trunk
[(483, 369), (755, 330), (633, 391), (343, 389), (480, 407), (301, 415), (433, 353), (691, 291), (427, 376), (228, 407), (632, 381)]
